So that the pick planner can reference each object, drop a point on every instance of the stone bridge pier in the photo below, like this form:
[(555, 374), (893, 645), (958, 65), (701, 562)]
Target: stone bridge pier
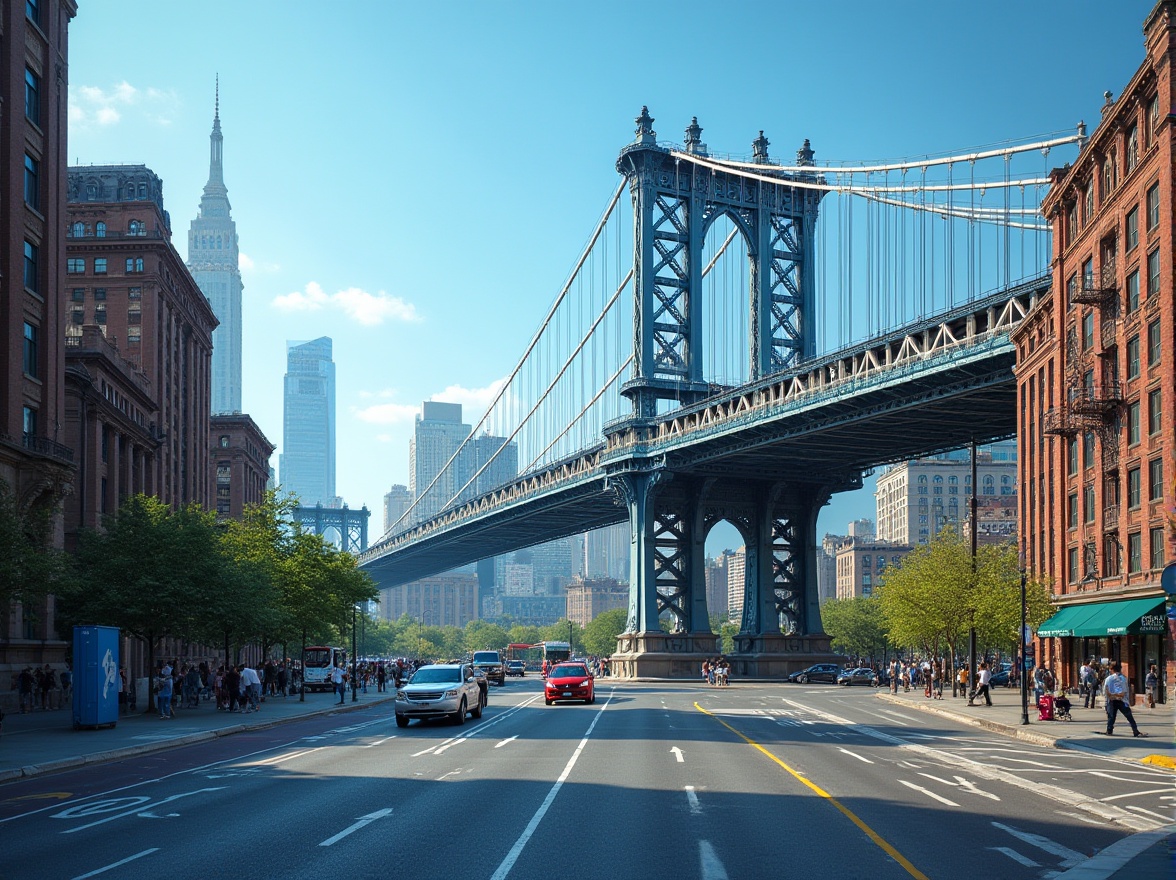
[(669, 518)]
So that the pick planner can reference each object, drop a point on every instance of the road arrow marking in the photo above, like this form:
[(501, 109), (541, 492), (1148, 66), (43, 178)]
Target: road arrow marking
[(678, 754), (930, 793), (363, 820), (505, 741), (853, 755)]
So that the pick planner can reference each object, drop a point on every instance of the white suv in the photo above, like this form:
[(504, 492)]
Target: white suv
[(440, 691)]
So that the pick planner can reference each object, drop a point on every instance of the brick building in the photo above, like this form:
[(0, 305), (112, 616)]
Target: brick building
[(124, 275), (861, 564), (241, 454), (449, 599), (586, 599), (1096, 380), (36, 465)]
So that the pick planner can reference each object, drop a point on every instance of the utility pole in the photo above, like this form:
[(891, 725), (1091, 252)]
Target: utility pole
[(972, 615)]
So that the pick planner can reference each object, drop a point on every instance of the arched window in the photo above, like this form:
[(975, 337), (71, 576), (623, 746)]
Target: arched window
[(922, 479), (938, 480), (136, 227), (953, 480), (1004, 481), (77, 230), (100, 229)]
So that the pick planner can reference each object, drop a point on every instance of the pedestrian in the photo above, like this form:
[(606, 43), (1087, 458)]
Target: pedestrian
[(1115, 693), (1151, 685), (1086, 683), (122, 690), (232, 688), (962, 678), (66, 683), (338, 682), (251, 688), (25, 683), (164, 692), (983, 677), (50, 685)]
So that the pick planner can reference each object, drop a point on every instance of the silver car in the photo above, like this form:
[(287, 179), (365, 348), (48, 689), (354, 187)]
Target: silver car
[(440, 691)]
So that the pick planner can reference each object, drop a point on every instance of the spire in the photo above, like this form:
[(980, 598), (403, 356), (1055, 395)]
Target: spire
[(216, 147)]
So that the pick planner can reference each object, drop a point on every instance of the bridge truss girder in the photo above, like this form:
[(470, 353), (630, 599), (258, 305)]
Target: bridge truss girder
[(350, 523)]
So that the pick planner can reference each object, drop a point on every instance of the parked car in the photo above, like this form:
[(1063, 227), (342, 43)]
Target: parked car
[(569, 681), (492, 664), (450, 690), (817, 672), (516, 667), (861, 675)]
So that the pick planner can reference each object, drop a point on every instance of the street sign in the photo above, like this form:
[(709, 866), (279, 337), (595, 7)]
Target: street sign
[(1168, 579)]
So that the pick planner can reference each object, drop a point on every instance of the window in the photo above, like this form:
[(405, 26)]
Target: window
[(1072, 510), (1088, 449), (224, 443), (1112, 560), (33, 11), (1157, 549), (100, 229), (134, 316), (1155, 480), (100, 315), (78, 295), (1072, 457), (989, 485), (136, 228), (1133, 423), (33, 107), (1134, 553), (31, 278), (134, 264), (29, 421), (1153, 273), (78, 316), (1132, 156), (100, 293), (134, 293), (75, 265), (77, 230), (1133, 357), (1088, 331), (1154, 411), (1133, 488), (133, 337), (1071, 288), (1072, 564), (1153, 343), (1133, 291), (1089, 214), (1153, 207), (30, 350), (1132, 234), (1088, 273), (1088, 504), (100, 265), (1153, 116), (31, 189)]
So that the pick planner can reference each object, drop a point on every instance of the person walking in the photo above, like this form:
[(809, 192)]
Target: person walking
[(338, 680), (164, 694), (1087, 682), (1115, 692), (1151, 685), (25, 683), (983, 677)]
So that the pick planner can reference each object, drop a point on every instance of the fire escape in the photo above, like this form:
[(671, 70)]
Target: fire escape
[(1092, 405)]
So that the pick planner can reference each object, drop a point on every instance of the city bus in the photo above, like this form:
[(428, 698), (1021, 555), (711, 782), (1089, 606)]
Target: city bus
[(556, 652), (317, 661)]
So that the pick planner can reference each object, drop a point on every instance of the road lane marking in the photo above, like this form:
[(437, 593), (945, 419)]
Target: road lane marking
[(1116, 797), (141, 807), (505, 741), (692, 799), (1015, 856), (854, 755), (1070, 857), (845, 811), (363, 820), (712, 868), (517, 850), (379, 742), (269, 762), (929, 793), (677, 753), (966, 784), (119, 864), (450, 773), (1149, 812)]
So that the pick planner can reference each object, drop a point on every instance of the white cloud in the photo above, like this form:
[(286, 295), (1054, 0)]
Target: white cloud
[(94, 106), (359, 305), (248, 265), (477, 399), (388, 414)]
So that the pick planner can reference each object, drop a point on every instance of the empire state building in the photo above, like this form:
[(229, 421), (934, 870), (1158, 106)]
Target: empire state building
[(212, 260)]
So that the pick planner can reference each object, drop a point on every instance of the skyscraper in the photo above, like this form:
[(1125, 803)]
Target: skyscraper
[(438, 435), (307, 463), (212, 260)]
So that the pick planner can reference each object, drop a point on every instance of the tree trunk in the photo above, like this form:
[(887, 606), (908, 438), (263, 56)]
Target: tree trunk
[(150, 639)]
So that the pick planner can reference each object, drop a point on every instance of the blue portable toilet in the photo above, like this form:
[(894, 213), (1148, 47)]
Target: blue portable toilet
[(95, 676)]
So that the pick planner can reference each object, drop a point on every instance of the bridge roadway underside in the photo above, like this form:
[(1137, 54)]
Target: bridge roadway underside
[(829, 444)]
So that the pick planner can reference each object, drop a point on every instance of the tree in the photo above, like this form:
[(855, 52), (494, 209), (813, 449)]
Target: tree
[(483, 636), (30, 567), (857, 626), (600, 635), (150, 572)]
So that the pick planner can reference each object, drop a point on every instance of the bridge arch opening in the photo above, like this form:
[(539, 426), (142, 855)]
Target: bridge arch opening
[(725, 542), (726, 301)]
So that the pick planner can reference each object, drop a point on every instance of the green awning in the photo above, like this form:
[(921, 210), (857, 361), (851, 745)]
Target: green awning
[(1134, 617), (1062, 624)]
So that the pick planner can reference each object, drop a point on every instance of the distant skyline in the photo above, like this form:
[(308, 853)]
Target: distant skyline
[(422, 206)]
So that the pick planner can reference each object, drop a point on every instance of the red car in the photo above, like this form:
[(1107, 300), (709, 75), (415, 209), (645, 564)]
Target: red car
[(569, 681)]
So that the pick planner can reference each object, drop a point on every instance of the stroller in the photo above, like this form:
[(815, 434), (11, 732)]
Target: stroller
[(1061, 708)]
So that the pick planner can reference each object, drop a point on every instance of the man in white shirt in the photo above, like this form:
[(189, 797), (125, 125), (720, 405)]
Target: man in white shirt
[(252, 683), (1086, 680), (337, 681), (983, 677), (1115, 693)]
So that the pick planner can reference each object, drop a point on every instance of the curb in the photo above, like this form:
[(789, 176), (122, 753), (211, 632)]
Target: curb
[(57, 766)]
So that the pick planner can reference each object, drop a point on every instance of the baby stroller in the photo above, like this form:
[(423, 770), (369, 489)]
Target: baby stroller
[(1061, 708)]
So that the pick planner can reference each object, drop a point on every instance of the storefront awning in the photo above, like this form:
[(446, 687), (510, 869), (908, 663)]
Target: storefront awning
[(1133, 616)]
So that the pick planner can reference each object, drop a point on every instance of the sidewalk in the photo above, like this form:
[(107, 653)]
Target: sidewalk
[(45, 742), (1084, 733), (1148, 854)]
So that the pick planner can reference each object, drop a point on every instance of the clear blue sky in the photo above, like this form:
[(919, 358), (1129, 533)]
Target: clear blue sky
[(416, 180)]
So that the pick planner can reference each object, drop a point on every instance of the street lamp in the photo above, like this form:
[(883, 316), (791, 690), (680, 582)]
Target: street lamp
[(570, 652), (1021, 654), (354, 683)]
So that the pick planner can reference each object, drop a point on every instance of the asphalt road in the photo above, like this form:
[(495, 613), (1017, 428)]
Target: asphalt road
[(666, 782)]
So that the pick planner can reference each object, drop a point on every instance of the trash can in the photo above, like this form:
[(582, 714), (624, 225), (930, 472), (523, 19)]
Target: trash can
[(1045, 708), (95, 676)]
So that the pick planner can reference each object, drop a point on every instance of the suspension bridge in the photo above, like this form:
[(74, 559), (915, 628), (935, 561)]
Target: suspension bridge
[(739, 340)]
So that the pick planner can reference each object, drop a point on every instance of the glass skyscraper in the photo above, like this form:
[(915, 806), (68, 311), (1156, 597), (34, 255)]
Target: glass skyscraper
[(307, 463)]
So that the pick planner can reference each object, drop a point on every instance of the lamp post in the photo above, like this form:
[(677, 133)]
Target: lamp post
[(1021, 655), (354, 683), (570, 651)]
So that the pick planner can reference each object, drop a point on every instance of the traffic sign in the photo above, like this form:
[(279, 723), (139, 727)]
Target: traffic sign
[(1168, 579)]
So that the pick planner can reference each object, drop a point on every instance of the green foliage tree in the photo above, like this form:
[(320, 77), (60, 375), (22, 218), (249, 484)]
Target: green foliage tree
[(856, 626), (481, 635), (728, 629), (600, 635), (30, 567), (525, 635), (565, 631)]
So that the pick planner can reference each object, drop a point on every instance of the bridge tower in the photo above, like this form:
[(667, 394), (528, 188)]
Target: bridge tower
[(675, 201)]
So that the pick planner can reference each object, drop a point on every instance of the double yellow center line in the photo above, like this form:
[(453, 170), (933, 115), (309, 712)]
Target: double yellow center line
[(848, 813)]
